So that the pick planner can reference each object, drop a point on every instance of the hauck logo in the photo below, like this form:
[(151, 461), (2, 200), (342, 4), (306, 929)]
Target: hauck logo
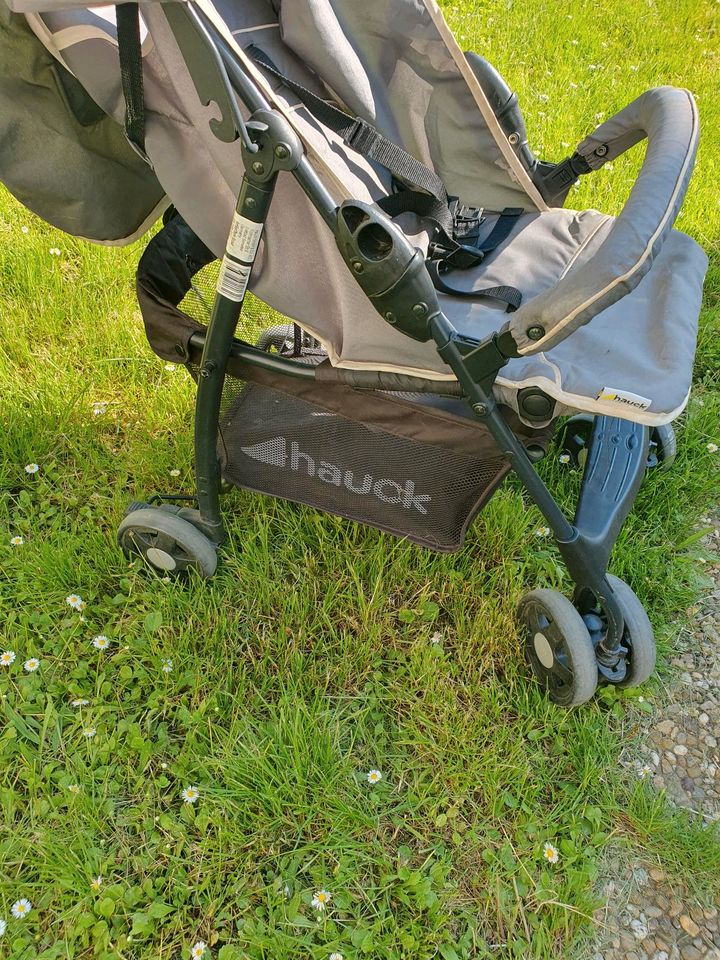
[(275, 453)]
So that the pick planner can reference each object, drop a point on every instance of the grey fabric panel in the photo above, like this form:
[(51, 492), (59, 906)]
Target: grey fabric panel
[(63, 158), (414, 92), (668, 118)]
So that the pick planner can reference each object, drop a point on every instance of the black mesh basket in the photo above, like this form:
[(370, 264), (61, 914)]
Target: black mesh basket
[(416, 465)]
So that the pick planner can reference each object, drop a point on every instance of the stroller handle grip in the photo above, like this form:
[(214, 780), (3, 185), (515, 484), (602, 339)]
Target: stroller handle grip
[(667, 117)]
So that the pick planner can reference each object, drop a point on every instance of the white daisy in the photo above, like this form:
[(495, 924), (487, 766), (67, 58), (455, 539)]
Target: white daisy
[(321, 899), (167, 665), (713, 447), (99, 409), (645, 771), (542, 532), (74, 788), (96, 883), (7, 658), (436, 637), (170, 367), (101, 642), (54, 251), (80, 702), (550, 853), (89, 732), (21, 908), (335, 956), (564, 458), (75, 601), (3, 927), (32, 467), (24, 229), (198, 950), (374, 776), (32, 664), (190, 794), (175, 473), (16, 541)]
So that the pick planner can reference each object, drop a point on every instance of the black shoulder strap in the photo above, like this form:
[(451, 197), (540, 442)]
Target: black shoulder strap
[(361, 136), (130, 54), (510, 296)]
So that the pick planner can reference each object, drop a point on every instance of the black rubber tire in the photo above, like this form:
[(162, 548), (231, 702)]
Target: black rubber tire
[(167, 543), (558, 647), (663, 448), (638, 636)]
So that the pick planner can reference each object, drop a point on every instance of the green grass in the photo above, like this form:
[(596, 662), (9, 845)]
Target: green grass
[(308, 659)]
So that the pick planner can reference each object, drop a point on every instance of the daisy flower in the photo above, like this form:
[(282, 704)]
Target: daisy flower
[(21, 908), (7, 658), (175, 473), (24, 229), (542, 532), (101, 642), (190, 794), (32, 467), (167, 665), (713, 447), (436, 637), (550, 853), (99, 409), (16, 541), (645, 771), (564, 458), (54, 251), (96, 883), (335, 956), (32, 664), (89, 732), (198, 950), (74, 788), (321, 899), (81, 702), (3, 927), (374, 776), (170, 367), (75, 601)]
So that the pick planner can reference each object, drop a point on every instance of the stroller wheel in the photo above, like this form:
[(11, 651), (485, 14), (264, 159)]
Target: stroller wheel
[(638, 636), (169, 544), (663, 448), (558, 647), (575, 437)]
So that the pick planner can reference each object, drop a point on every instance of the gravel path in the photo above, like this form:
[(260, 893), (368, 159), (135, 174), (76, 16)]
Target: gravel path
[(659, 920)]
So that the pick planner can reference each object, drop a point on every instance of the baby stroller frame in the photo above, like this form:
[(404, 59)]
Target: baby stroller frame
[(604, 633)]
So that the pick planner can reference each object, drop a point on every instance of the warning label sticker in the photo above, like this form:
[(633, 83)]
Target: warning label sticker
[(244, 238), (233, 279)]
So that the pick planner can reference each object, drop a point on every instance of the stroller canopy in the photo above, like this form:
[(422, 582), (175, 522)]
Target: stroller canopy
[(396, 65)]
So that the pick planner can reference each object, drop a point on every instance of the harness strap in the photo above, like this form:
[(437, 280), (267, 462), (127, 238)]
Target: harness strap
[(510, 296), (131, 74), (361, 136)]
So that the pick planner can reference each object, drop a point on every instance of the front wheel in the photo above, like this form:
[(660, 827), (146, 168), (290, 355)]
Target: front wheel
[(558, 647)]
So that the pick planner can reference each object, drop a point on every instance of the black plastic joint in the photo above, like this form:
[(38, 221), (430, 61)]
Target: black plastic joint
[(562, 176)]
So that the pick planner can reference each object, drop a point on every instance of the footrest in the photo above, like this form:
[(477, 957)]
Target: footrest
[(614, 469)]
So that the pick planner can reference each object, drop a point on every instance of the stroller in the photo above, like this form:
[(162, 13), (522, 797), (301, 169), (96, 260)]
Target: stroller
[(424, 307)]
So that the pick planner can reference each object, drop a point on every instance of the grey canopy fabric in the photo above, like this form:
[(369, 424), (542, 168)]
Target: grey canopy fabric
[(397, 65)]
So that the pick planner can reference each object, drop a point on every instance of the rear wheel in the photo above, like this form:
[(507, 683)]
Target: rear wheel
[(166, 542), (558, 647)]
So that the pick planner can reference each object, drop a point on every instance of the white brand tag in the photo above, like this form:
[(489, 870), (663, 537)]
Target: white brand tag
[(623, 397), (244, 238)]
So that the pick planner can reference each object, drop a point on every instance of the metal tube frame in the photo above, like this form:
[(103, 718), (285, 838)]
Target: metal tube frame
[(584, 557)]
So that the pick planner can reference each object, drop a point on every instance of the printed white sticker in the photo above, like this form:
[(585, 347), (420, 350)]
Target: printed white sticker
[(611, 395), (244, 238), (233, 279)]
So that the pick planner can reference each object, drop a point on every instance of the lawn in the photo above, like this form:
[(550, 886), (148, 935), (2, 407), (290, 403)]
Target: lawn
[(322, 650)]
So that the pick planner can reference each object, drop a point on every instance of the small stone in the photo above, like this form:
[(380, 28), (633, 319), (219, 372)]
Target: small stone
[(675, 909), (657, 874), (661, 955), (640, 929), (665, 727), (689, 925), (703, 719), (680, 750)]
